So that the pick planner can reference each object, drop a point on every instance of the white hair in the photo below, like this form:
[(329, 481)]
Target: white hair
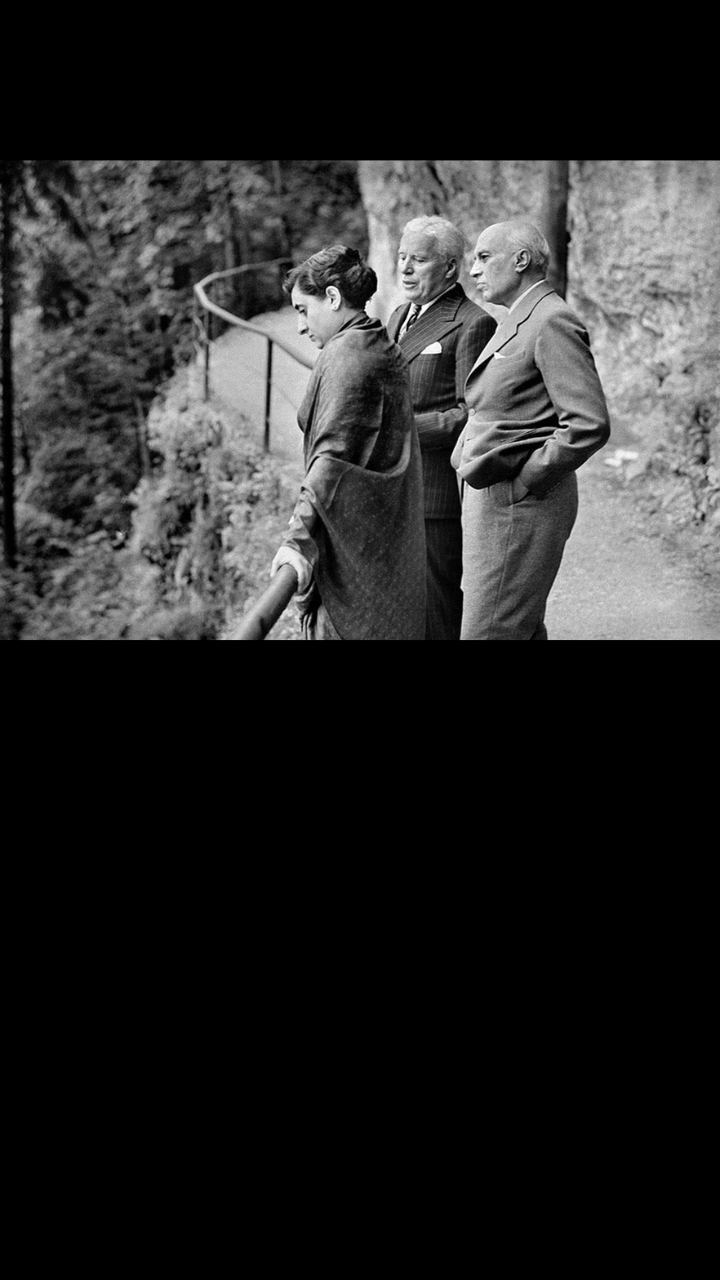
[(449, 240)]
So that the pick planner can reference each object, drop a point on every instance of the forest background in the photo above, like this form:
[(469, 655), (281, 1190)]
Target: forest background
[(130, 509), (133, 509)]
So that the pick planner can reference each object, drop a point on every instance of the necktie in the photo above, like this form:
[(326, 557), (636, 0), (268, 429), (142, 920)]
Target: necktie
[(412, 316)]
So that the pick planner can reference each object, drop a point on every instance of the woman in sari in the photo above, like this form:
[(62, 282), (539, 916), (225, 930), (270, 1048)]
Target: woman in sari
[(356, 538)]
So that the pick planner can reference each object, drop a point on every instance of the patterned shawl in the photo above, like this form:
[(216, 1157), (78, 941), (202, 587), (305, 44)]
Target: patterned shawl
[(359, 518)]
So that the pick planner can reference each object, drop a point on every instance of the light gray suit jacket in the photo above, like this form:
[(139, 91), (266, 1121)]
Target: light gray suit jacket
[(536, 406)]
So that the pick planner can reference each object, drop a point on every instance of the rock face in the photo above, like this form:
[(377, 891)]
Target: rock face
[(645, 277), (643, 273), (471, 193)]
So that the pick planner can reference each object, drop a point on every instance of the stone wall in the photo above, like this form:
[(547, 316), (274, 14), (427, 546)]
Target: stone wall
[(645, 277), (643, 273)]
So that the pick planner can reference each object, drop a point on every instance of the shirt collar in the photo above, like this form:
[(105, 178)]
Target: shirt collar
[(432, 301), (526, 291)]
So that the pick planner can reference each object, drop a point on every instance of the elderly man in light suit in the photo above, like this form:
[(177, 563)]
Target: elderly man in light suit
[(441, 333), (537, 412)]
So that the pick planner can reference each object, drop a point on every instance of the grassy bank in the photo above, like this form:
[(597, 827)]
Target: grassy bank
[(206, 524)]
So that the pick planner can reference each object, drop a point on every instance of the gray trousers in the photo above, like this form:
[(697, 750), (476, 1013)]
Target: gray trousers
[(511, 554)]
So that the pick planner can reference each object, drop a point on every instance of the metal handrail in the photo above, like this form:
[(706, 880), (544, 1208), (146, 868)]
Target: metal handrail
[(212, 308), (264, 613)]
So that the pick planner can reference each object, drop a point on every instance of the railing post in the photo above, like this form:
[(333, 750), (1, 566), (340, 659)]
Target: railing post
[(268, 390), (208, 319), (211, 308)]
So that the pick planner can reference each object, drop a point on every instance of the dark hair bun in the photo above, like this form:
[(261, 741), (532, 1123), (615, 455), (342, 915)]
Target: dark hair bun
[(337, 265)]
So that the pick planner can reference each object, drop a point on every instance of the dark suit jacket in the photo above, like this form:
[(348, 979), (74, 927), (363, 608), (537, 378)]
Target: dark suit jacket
[(537, 407), (437, 380)]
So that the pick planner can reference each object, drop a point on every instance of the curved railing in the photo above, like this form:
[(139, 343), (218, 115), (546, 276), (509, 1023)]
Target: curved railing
[(264, 613), (210, 308)]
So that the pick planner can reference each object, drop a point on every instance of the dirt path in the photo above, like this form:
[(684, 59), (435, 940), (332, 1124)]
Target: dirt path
[(238, 377), (617, 581)]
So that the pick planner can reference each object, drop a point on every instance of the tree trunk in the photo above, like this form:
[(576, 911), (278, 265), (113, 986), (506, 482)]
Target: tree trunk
[(143, 452), (285, 239), (8, 451), (128, 375), (554, 221)]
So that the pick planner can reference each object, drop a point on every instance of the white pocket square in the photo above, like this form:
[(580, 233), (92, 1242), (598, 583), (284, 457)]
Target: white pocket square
[(499, 355), (433, 350)]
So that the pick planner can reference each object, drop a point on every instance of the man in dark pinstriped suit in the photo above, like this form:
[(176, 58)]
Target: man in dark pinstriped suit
[(445, 336)]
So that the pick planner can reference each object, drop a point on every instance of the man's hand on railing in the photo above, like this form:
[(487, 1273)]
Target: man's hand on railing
[(302, 567)]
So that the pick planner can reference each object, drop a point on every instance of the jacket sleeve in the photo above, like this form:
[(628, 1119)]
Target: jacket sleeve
[(565, 361), (439, 429)]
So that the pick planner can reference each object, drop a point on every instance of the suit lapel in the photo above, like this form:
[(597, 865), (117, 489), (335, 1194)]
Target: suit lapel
[(396, 321), (510, 324), (431, 326)]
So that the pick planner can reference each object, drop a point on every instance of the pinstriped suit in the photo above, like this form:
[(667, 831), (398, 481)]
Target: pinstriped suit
[(437, 381)]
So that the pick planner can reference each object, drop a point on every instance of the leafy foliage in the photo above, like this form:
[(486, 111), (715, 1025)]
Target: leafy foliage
[(323, 205), (206, 522), (108, 308), (216, 506), (141, 517), (107, 253)]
